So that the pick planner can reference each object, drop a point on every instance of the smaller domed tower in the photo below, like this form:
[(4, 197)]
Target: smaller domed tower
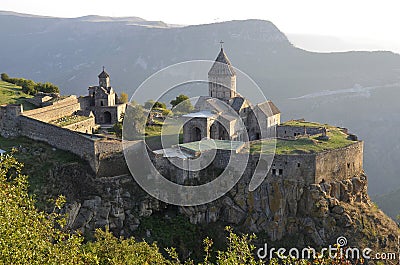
[(104, 79)]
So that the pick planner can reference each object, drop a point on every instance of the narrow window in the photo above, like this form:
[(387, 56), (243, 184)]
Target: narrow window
[(348, 165), (280, 172), (298, 164), (273, 171), (101, 103)]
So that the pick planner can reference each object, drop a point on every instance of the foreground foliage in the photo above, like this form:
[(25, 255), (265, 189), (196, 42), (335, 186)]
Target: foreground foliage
[(29, 236)]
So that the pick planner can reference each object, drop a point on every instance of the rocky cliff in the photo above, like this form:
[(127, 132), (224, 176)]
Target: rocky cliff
[(285, 212)]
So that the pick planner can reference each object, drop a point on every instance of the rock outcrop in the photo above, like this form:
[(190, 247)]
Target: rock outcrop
[(279, 210)]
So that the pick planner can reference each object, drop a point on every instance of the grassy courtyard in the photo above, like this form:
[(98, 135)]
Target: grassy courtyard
[(303, 145)]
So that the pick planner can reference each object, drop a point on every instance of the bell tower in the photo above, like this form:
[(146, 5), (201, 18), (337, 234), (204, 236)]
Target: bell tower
[(104, 79), (222, 78)]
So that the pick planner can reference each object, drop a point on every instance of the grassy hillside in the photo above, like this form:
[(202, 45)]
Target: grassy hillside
[(12, 94)]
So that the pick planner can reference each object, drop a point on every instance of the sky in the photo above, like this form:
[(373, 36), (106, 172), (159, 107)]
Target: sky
[(355, 24)]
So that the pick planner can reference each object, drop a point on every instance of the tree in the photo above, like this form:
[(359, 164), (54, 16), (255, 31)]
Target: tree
[(28, 236), (181, 104), (154, 104), (159, 105), (118, 129), (149, 104), (47, 88), (28, 87), (134, 122), (123, 98), (5, 77)]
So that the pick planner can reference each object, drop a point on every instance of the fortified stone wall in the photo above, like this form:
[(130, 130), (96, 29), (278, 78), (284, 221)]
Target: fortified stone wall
[(110, 157), (283, 166), (333, 165), (61, 108), (106, 147), (85, 126), (9, 119), (283, 131), (64, 139), (340, 163)]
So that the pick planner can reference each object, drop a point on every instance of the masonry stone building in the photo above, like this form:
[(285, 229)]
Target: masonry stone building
[(226, 115), (102, 101)]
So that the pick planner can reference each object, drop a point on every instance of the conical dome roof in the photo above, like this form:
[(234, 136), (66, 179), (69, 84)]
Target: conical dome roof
[(103, 74), (222, 65)]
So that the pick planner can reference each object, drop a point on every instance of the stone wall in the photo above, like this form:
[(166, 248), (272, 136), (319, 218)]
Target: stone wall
[(340, 163), (301, 167), (9, 120), (110, 157), (284, 131), (79, 144), (333, 165), (61, 108), (104, 155), (106, 147), (85, 126)]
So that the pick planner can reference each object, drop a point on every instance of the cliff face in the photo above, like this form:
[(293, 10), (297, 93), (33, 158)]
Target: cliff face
[(304, 214), (280, 211)]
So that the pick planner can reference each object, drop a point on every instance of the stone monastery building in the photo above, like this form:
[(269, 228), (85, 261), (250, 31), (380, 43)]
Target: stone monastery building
[(224, 114)]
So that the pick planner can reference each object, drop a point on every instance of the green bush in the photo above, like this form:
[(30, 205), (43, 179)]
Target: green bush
[(29, 86)]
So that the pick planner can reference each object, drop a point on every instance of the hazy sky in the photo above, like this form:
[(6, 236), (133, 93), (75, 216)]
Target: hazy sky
[(357, 21)]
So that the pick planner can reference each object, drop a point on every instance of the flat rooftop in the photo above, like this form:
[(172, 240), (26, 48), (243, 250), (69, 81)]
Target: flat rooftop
[(211, 144), (200, 114)]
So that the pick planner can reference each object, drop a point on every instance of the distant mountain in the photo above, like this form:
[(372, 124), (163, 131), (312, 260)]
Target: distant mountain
[(358, 90), (321, 43), (389, 203)]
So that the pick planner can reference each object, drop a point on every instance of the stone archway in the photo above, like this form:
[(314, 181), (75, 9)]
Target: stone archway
[(195, 134), (218, 131), (214, 131), (107, 117)]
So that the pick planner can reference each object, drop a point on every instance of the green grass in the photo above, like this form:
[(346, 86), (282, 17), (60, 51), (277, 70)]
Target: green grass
[(68, 120), (153, 130), (303, 145), (12, 94), (153, 134), (305, 123)]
